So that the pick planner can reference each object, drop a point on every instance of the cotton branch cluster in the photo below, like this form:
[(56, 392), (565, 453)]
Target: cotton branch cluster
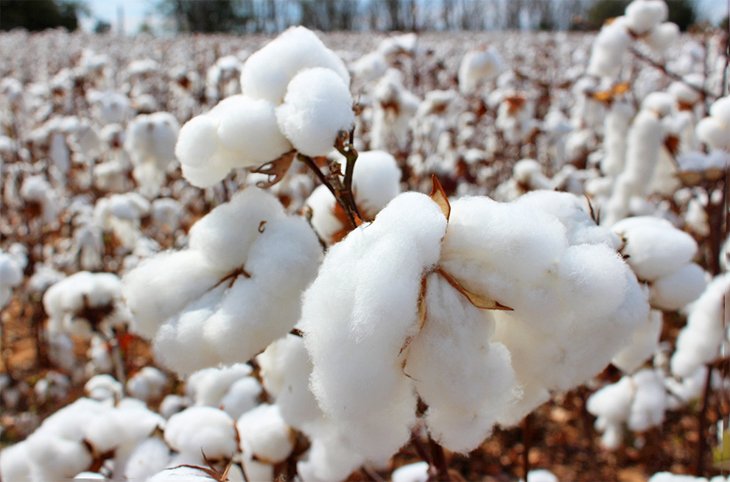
[(295, 96), (232, 292), (480, 310)]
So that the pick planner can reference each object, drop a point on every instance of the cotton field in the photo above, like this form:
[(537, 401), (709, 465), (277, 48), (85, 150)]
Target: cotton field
[(320, 257)]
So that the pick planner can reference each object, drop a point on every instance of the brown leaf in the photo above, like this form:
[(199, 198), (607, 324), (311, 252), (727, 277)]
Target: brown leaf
[(439, 197), (671, 142), (275, 170), (476, 299), (339, 212), (621, 88), (421, 316)]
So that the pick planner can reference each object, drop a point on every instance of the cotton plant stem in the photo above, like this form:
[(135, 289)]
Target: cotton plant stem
[(672, 75), (438, 462), (701, 454), (526, 442)]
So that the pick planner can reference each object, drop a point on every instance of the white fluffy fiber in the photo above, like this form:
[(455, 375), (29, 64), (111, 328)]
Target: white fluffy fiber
[(265, 434), (714, 130), (317, 106), (575, 304), (643, 15), (359, 312), (202, 430), (267, 73), (229, 388), (702, 339), (478, 65), (643, 344), (608, 51), (11, 275), (238, 132), (200, 305)]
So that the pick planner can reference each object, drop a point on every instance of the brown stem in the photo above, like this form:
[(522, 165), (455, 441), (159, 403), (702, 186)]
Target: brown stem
[(117, 360), (438, 462), (526, 442), (672, 75), (702, 425)]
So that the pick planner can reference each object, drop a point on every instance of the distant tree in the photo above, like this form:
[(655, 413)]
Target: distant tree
[(602, 10), (682, 12), (102, 26), (205, 16), (40, 14)]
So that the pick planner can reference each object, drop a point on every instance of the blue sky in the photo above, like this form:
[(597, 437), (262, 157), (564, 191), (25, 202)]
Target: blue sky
[(135, 12)]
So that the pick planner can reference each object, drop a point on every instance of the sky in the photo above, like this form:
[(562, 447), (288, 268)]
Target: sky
[(136, 11)]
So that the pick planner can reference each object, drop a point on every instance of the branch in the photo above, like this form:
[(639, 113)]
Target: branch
[(672, 75)]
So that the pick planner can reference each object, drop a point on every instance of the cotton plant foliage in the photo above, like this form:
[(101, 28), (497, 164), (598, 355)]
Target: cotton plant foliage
[(233, 291), (494, 306), (295, 96)]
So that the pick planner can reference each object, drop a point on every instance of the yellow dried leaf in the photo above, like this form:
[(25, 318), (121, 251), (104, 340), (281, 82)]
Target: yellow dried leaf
[(439, 197), (476, 299)]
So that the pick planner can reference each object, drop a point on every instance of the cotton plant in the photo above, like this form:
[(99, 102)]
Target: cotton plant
[(150, 140), (508, 337), (11, 275), (295, 97), (478, 66), (232, 291), (393, 108), (232, 388)]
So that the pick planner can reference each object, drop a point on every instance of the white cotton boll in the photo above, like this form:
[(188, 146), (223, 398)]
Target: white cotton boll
[(328, 458), (267, 72), (643, 344), (285, 370), (208, 386), (265, 434), (243, 396), (654, 247), (415, 472), (369, 67), (662, 36), (151, 138), (89, 477), (464, 379), (181, 276), (225, 235), (649, 405), (148, 458), (173, 404), (541, 475), (720, 109), (55, 457), (713, 132), (317, 106), (643, 15), (15, 463), (674, 291), (251, 130), (613, 402), (479, 65), (661, 103), (103, 387), (681, 392), (180, 474), (608, 51), (700, 340), (355, 338), (375, 181), (244, 325), (322, 204), (202, 429), (147, 384), (203, 159)]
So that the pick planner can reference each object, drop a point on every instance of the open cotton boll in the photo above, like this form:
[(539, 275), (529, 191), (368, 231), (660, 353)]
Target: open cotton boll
[(611, 404), (654, 247), (14, 462), (265, 434), (415, 472), (243, 396), (465, 380), (541, 475), (714, 133), (643, 344), (152, 137), (104, 387), (650, 401), (203, 158), (54, 458), (187, 271), (662, 36), (181, 474), (479, 65), (317, 106), (720, 109), (375, 181), (355, 339), (208, 386), (147, 384), (700, 340), (608, 50), (148, 458), (322, 204), (202, 430), (643, 15), (267, 72), (674, 291)]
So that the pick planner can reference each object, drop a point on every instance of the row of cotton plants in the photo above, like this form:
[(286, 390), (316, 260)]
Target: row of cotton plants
[(227, 259)]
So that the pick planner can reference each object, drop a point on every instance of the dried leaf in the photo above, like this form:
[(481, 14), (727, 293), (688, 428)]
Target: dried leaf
[(339, 212), (275, 170), (421, 316), (671, 142), (439, 197), (621, 88), (515, 104), (479, 301), (604, 96)]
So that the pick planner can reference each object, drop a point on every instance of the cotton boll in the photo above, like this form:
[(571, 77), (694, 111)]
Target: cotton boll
[(187, 271), (328, 458), (608, 51), (265, 434), (322, 204), (541, 475), (355, 338), (317, 106), (148, 458), (663, 36), (251, 130), (674, 291), (53, 457), (612, 404), (713, 132), (147, 384), (720, 109), (267, 72), (204, 430), (180, 474), (649, 405), (14, 462), (479, 65), (643, 15), (415, 472), (241, 397), (103, 387), (376, 180), (464, 379), (654, 247), (644, 342), (209, 386), (203, 159)]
